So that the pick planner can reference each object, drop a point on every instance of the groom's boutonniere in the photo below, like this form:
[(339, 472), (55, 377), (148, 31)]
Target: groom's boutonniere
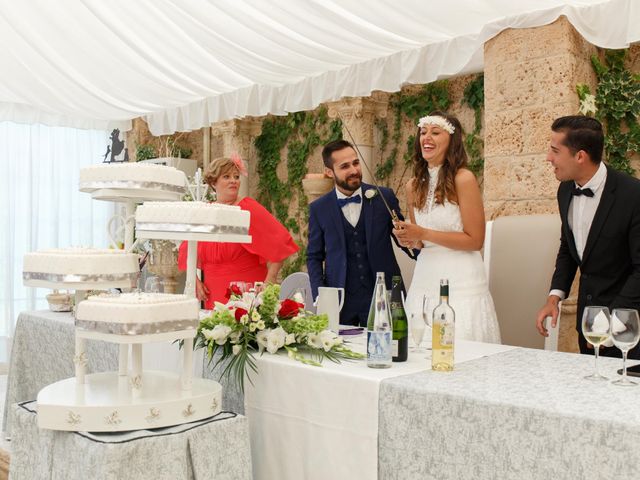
[(370, 194)]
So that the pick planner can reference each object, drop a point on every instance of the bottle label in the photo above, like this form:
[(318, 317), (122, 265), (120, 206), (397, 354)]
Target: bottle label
[(394, 348), (379, 347), (446, 334)]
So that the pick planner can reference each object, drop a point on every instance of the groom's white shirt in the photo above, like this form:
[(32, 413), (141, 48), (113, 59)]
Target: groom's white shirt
[(352, 210)]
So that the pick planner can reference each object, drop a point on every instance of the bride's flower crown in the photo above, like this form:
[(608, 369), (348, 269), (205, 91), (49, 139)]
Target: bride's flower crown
[(438, 121)]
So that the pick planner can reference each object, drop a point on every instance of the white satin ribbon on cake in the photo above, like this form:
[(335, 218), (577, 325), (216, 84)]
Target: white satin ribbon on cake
[(96, 185), (138, 328), (190, 227), (76, 278)]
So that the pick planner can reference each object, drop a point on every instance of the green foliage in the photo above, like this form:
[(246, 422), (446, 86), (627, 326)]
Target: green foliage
[(618, 108), (145, 152), (473, 96), (300, 133)]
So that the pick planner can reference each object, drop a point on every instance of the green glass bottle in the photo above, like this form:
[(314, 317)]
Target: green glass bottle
[(400, 342)]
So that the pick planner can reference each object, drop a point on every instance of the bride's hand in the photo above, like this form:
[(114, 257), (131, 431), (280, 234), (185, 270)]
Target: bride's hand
[(408, 234)]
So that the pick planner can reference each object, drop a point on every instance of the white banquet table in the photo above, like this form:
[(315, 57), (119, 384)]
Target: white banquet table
[(322, 422)]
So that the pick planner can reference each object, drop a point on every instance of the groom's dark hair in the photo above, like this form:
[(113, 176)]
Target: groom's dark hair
[(331, 147), (581, 133)]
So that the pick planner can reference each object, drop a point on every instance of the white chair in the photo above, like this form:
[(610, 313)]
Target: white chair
[(519, 257), (298, 281)]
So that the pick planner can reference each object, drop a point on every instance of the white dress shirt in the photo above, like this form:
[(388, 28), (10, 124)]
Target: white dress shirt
[(582, 209), (351, 211)]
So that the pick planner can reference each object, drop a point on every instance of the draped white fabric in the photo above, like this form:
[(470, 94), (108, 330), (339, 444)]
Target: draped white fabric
[(186, 63), (42, 206)]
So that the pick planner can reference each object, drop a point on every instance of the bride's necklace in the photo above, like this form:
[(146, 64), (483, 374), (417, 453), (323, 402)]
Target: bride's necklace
[(433, 183)]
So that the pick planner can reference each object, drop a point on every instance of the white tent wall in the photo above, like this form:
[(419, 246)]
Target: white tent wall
[(184, 64)]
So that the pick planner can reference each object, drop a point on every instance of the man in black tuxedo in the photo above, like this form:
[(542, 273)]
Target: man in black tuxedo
[(600, 212)]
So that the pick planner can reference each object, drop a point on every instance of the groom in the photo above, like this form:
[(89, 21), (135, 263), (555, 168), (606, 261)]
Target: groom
[(600, 212), (350, 234)]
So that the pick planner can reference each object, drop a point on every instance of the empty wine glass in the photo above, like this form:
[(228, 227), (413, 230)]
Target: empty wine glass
[(427, 313), (596, 328), (625, 333), (153, 285)]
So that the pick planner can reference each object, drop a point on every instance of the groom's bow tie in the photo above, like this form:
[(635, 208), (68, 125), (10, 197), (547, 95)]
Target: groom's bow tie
[(352, 199), (587, 192)]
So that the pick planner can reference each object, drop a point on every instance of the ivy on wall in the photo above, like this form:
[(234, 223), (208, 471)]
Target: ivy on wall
[(616, 104), (300, 133), (474, 144)]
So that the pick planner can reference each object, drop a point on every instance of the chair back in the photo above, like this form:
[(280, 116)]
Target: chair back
[(519, 256), (298, 281)]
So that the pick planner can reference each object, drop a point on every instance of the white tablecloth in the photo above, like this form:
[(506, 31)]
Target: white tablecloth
[(322, 422)]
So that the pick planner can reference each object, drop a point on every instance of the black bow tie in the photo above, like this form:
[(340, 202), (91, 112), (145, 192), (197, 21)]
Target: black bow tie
[(583, 191), (352, 199)]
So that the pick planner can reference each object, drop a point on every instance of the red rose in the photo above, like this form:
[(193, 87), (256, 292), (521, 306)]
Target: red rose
[(233, 290), (239, 313), (289, 308)]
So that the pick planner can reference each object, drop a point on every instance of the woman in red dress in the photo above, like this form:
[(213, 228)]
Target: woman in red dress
[(222, 263)]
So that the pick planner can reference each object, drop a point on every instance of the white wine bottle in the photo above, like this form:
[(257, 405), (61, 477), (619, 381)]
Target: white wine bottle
[(443, 331), (379, 327)]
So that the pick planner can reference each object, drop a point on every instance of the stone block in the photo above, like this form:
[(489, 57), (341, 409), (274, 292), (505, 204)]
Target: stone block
[(503, 133), (499, 208), (536, 124), (496, 184)]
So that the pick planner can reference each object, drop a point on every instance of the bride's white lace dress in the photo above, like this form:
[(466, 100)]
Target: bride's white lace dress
[(468, 288)]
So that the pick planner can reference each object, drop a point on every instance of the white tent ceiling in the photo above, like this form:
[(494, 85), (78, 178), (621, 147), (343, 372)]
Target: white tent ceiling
[(183, 64)]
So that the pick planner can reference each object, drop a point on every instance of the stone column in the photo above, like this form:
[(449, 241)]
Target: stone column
[(358, 115), (530, 79), (237, 136)]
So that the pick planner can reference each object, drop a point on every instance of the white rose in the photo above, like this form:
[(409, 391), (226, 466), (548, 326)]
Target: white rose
[(276, 339), (207, 333), (219, 334), (236, 349), (291, 338), (244, 319), (313, 340), (234, 336), (260, 324), (328, 339), (219, 307), (262, 338), (255, 316), (369, 194)]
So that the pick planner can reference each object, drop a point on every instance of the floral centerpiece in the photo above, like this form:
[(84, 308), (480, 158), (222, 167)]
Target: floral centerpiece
[(257, 322)]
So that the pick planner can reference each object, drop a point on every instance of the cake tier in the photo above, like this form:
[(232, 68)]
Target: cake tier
[(131, 175), (199, 217), (138, 313), (80, 265)]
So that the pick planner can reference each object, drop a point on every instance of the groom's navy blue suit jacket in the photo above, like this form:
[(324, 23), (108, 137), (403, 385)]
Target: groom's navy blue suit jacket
[(326, 252)]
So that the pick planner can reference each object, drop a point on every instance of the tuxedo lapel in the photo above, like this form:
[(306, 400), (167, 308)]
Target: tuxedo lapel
[(336, 217), (565, 201), (602, 212), (367, 211)]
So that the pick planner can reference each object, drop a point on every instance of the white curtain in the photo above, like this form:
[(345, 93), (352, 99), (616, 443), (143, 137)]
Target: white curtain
[(42, 206)]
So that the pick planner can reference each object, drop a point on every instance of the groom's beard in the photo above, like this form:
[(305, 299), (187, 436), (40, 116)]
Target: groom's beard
[(351, 183)]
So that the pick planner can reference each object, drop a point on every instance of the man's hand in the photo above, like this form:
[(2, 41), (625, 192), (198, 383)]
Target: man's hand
[(550, 309)]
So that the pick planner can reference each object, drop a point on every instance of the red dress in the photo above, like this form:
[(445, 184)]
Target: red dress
[(222, 263)]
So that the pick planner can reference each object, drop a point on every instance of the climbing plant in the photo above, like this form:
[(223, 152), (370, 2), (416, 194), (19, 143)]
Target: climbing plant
[(473, 97), (299, 134), (616, 104)]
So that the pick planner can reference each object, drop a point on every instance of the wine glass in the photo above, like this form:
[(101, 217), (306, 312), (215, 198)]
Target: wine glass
[(427, 313), (416, 325), (596, 328), (153, 285), (625, 333)]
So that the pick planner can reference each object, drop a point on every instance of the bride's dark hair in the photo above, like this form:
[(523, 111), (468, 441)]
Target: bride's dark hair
[(454, 160)]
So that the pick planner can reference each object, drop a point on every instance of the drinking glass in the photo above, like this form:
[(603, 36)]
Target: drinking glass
[(153, 285), (625, 332), (427, 314), (596, 328), (416, 325)]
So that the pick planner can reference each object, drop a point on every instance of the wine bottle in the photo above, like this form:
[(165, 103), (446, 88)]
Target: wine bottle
[(400, 342), (379, 327), (443, 331)]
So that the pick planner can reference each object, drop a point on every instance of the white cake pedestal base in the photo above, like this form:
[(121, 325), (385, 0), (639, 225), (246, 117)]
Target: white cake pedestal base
[(106, 402)]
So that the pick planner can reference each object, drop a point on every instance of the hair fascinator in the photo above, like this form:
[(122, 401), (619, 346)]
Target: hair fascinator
[(438, 121), (240, 165)]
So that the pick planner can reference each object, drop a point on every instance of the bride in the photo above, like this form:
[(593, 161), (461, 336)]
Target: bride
[(447, 221)]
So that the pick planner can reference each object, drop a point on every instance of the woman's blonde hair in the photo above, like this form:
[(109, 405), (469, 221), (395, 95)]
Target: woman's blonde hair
[(217, 167)]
